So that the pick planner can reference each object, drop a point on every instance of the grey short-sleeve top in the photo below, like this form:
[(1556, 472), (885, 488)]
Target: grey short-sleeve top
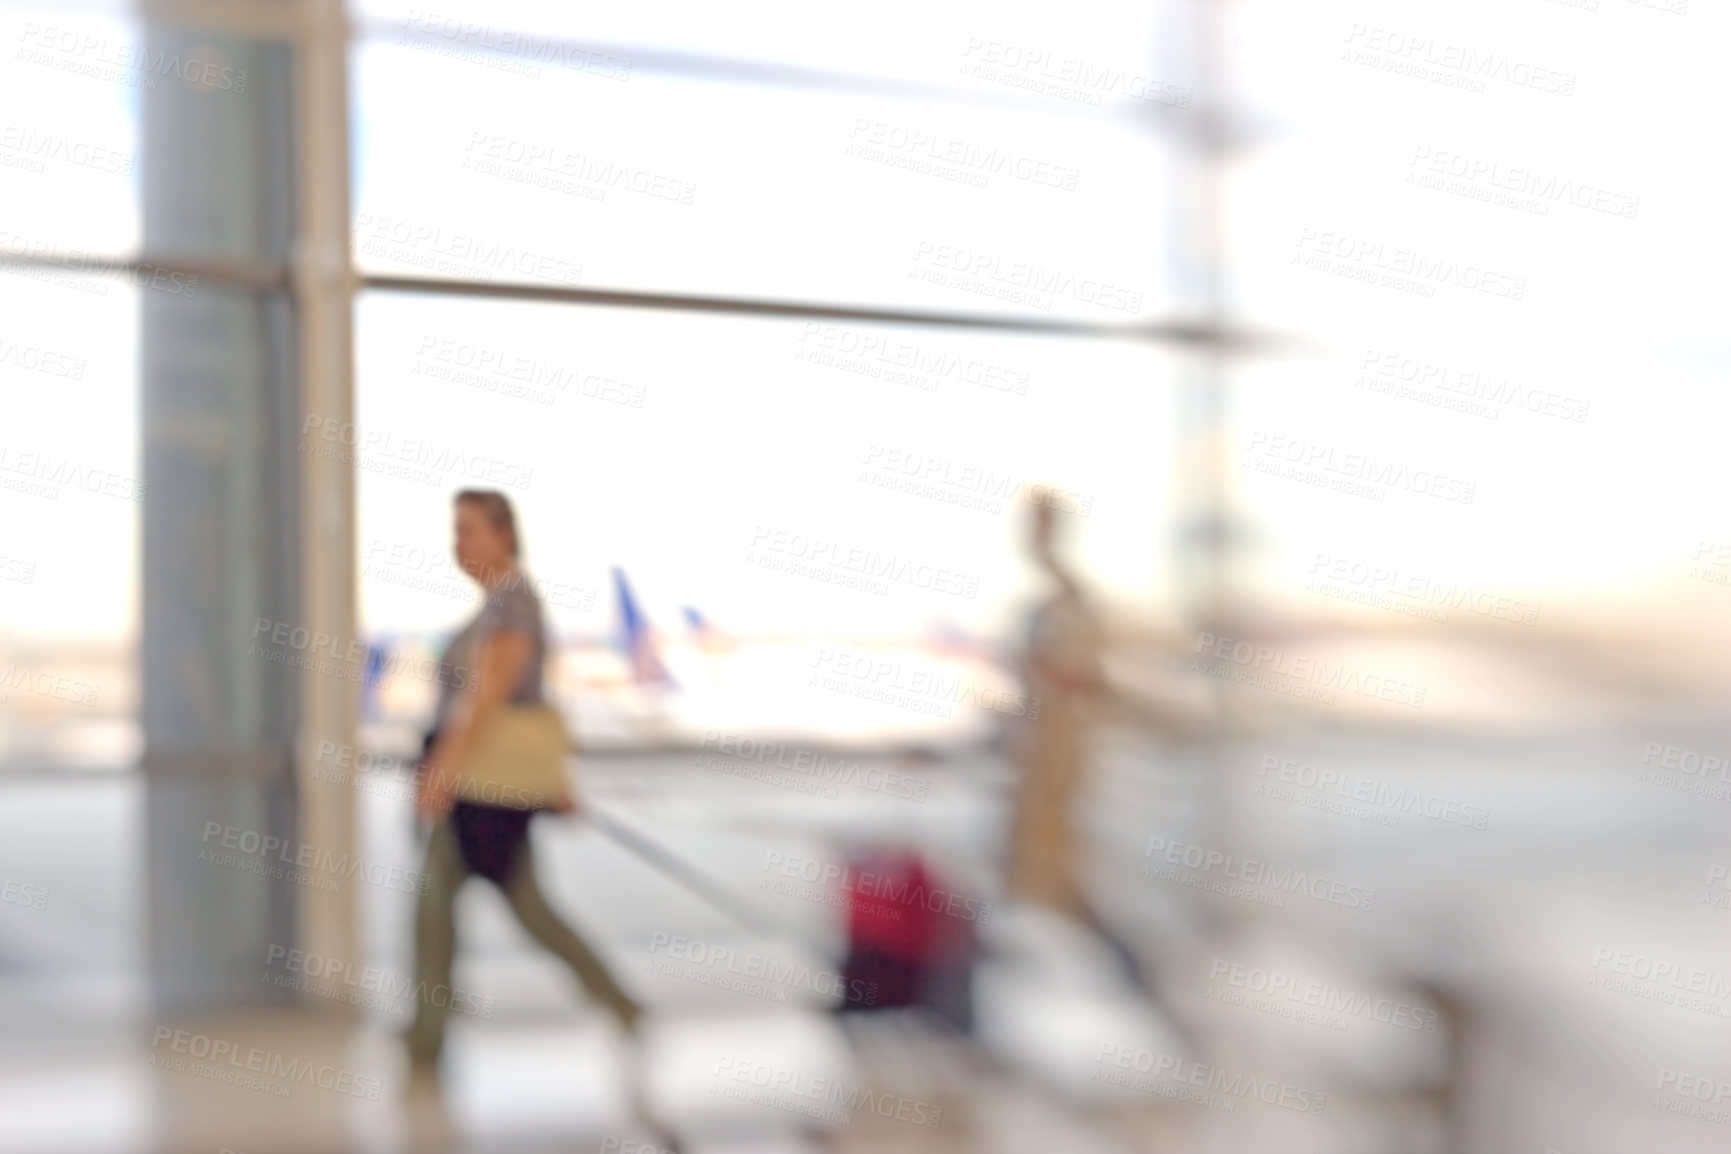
[(512, 607)]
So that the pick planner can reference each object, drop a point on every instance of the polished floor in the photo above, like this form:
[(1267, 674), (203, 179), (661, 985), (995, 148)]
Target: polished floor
[(1542, 967)]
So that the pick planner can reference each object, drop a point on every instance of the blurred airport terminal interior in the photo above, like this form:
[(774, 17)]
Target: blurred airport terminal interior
[(1123, 577)]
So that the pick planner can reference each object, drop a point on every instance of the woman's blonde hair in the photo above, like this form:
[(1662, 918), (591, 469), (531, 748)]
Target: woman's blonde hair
[(496, 508)]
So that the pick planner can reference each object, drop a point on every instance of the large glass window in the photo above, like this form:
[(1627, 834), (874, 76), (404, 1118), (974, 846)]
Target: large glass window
[(719, 452), (70, 479)]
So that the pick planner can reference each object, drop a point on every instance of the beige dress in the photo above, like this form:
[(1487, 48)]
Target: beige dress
[(1063, 660)]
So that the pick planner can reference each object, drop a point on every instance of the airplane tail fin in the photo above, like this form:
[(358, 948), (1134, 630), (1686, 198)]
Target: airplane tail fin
[(637, 637)]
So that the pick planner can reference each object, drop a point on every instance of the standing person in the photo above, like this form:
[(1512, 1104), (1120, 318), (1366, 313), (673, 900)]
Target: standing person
[(1067, 685), (497, 658)]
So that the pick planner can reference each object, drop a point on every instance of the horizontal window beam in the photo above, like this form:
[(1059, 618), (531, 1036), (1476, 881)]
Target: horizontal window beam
[(185, 277), (1153, 331), (179, 276)]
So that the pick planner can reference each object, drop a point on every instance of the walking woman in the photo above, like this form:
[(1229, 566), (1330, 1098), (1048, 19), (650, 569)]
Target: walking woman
[(496, 659)]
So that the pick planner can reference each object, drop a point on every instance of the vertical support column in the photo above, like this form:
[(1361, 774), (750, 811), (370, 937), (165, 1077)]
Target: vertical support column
[(247, 539), (1208, 530), (1196, 242), (324, 286), (220, 531)]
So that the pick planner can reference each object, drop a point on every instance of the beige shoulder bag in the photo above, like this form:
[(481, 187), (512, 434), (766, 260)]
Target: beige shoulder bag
[(517, 759)]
